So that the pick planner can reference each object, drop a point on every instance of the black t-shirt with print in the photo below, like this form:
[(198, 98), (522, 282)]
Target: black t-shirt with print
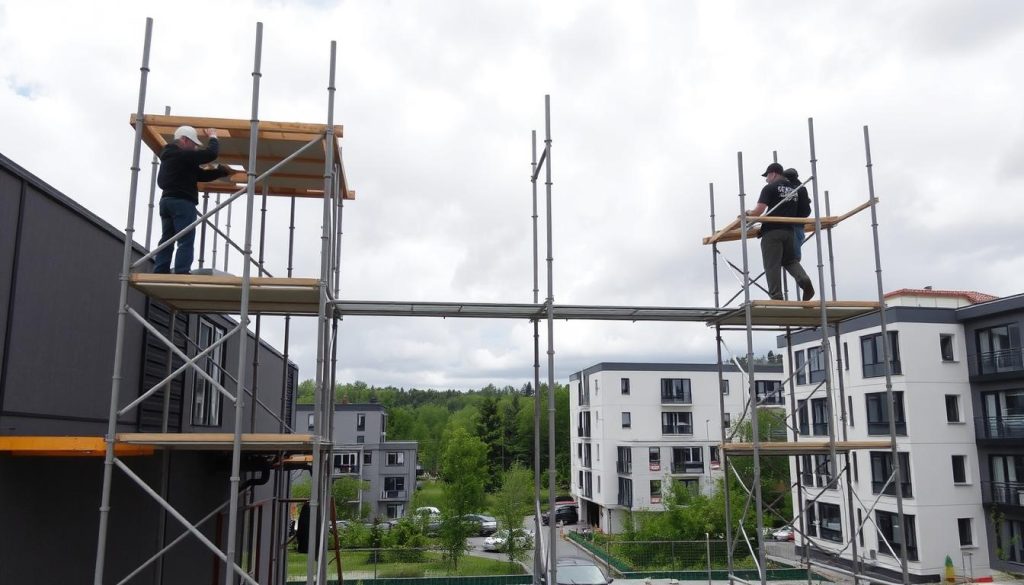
[(771, 195)]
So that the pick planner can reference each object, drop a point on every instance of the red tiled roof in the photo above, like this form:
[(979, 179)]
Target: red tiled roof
[(970, 295)]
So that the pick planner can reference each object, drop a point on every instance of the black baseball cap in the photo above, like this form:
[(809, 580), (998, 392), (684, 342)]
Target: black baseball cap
[(772, 168)]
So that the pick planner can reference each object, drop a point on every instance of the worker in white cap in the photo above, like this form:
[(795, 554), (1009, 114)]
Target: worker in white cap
[(180, 170)]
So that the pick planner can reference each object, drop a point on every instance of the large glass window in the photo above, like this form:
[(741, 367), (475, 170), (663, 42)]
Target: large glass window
[(999, 349), (799, 366), (769, 392), (873, 354), (624, 464), (687, 460), (394, 487), (206, 399), (395, 458), (881, 470), (831, 523), (890, 530), (952, 408), (655, 491), (878, 413), (815, 364), (676, 390), (677, 423), (819, 416), (625, 492), (627, 420)]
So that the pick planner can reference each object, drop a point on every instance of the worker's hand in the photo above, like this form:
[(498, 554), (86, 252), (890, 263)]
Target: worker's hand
[(226, 170), (211, 132)]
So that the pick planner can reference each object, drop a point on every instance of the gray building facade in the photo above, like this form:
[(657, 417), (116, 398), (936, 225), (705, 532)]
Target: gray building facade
[(362, 451), (59, 290)]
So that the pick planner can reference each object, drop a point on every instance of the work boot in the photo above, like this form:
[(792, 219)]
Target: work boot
[(808, 291)]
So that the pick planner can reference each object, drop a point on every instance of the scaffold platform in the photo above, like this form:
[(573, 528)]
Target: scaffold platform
[(195, 293), (796, 313), (787, 448)]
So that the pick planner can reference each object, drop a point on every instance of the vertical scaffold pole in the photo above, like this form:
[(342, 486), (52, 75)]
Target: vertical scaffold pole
[(243, 310), (165, 455), (154, 168), (552, 525), (751, 388), (721, 398), (122, 314), (897, 472), (319, 420), (538, 565)]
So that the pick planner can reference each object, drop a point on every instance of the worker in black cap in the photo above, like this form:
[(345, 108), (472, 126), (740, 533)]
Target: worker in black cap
[(777, 244)]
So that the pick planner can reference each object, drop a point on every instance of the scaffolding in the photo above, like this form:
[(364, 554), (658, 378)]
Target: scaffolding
[(783, 316), (304, 161)]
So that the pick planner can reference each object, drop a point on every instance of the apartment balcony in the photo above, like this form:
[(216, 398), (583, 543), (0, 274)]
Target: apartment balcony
[(684, 399), (677, 429), (394, 495), (997, 365), (773, 399), (346, 469), (624, 467), (679, 467), (1004, 493), (999, 428)]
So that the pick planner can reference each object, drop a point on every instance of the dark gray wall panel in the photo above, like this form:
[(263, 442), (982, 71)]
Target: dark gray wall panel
[(10, 195)]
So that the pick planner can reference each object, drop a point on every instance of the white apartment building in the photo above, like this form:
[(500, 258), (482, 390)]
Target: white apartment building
[(638, 426), (935, 424)]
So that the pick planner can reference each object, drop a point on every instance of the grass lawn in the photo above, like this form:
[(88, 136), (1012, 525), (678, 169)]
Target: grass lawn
[(432, 566)]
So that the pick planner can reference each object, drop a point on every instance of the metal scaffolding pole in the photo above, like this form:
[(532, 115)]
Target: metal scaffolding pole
[(752, 389), (165, 456), (122, 315), (243, 315), (320, 418), (889, 397), (552, 525), (154, 167), (538, 565)]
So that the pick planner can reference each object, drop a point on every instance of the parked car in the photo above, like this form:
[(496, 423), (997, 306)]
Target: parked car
[(566, 514), (431, 518), (785, 533), (481, 525), (580, 571), (497, 541)]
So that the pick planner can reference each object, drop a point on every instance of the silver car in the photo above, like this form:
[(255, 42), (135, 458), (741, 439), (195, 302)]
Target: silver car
[(497, 541)]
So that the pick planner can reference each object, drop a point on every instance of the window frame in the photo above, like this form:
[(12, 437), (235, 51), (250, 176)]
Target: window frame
[(207, 408), (880, 426), (881, 461), (961, 461), (873, 361), (956, 409), (627, 419), (886, 520), (624, 386)]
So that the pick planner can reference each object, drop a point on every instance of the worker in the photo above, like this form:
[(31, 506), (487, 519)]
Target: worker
[(803, 203), (778, 198), (180, 170)]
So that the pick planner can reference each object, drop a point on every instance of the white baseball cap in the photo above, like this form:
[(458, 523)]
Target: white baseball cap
[(188, 132)]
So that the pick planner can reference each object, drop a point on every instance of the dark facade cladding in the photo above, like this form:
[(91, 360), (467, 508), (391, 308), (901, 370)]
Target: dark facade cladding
[(59, 289)]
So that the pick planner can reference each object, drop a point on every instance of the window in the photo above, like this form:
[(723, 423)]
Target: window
[(846, 358), (806, 471), (713, 454), (856, 475), (873, 354), (819, 416), (206, 399), (964, 527), (692, 486), (726, 419), (597, 451), (360, 439), (802, 418), (596, 386), (654, 458), (675, 391), (367, 457), (725, 387), (946, 347), (889, 531), (677, 423), (346, 462), (586, 456), (952, 408), (687, 460), (831, 524), (598, 484), (580, 481), (360, 422), (394, 488), (878, 413), (625, 385), (655, 491), (812, 519), (801, 373), (769, 392), (816, 365), (312, 420), (583, 429), (998, 349), (625, 492), (579, 451), (626, 422), (823, 471), (849, 410), (881, 470), (860, 523), (625, 460), (395, 511), (395, 458), (959, 468), (588, 484)]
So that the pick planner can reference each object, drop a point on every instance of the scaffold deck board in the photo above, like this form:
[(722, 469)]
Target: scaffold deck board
[(731, 232), (50, 446), (303, 176), (797, 313), (220, 441), (801, 447), (524, 311), (197, 293)]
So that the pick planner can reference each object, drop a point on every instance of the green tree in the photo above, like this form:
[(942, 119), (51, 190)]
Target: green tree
[(775, 488), (513, 502), (463, 471), (488, 429), (345, 492)]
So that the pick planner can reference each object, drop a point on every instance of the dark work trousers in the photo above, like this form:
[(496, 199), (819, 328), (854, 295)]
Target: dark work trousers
[(175, 215), (777, 252)]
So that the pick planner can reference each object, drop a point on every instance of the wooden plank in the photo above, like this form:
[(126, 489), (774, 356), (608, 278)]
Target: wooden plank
[(801, 447), (220, 441), (731, 232), (236, 124), (857, 209), (222, 279), (52, 446)]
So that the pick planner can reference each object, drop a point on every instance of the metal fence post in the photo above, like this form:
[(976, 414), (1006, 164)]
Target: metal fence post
[(707, 542)]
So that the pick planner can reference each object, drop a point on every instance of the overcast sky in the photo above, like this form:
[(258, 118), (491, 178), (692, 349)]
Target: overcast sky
[(651, 101)]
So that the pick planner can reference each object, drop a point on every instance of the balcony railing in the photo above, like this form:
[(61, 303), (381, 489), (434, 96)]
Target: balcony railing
[(890, 490), (346, 469), (771, 399), (997, 362), (687, 467), (679, 429), (393, 495), (1008, 493), (878, 369), (882, 428), (1007, 426), (684, 398), (624, 467)]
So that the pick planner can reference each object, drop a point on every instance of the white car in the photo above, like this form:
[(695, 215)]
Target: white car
[(784, 534), (497, 541)]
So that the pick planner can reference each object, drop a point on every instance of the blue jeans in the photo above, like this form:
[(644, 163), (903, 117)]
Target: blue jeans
[(175, 215)]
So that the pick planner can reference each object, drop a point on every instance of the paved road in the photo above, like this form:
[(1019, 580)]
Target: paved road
[(563, 548)]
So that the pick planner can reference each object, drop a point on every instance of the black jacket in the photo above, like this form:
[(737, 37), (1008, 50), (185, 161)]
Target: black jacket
[(179, 170)]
